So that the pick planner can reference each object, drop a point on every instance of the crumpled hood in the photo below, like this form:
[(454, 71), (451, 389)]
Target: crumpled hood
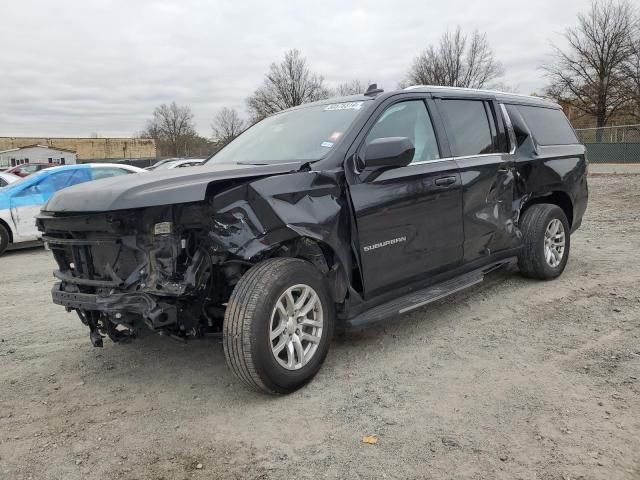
[(140, 190)]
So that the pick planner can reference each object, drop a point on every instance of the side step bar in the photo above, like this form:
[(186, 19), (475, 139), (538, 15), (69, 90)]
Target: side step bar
[(423, 297)]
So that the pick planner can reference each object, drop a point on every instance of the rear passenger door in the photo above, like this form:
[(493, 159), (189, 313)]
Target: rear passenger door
[(478, 141)]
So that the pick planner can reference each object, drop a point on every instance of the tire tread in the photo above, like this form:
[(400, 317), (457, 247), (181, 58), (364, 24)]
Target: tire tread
[(533, 223), (240, 310)]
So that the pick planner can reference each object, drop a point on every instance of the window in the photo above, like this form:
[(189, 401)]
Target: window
[(107, 172), (3, 182), (408, 119), (303, 134), (469, 128), (549, 126), (60, 180)]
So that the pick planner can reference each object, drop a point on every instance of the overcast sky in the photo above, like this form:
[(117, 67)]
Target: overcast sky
[(73, 67)]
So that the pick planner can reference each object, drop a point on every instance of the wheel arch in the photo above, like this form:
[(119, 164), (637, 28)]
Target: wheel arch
[(8, 227), (321, 255), (556, 197)]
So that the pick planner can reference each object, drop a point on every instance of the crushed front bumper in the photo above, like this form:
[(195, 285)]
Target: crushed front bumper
[(155, 313)]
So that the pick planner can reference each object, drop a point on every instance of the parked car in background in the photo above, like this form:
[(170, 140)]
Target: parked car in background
[(161, 162), (7, 178), (27, 169), (21, 200), (176, 163)]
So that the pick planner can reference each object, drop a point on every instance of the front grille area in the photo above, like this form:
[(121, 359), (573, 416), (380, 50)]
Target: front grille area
[(95, 261), (91, 250)]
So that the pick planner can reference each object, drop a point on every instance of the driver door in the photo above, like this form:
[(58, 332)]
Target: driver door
[(409, 219), (26, 204)]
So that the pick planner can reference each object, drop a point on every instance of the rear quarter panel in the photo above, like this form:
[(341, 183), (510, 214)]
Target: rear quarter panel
[(561, 168)]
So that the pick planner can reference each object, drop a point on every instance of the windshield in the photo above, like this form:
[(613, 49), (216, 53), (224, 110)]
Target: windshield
[(306, 134)]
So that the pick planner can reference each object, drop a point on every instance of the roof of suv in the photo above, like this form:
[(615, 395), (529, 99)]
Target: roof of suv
[(448, 91)]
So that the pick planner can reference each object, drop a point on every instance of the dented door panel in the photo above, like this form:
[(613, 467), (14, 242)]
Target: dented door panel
[(488, 189)]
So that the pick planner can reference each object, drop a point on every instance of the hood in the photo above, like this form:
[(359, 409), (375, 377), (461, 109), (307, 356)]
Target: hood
[(156, 188)]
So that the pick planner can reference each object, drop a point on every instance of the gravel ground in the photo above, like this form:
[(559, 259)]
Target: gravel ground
[(515, 379)]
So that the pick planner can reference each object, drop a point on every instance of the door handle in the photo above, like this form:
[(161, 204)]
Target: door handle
[(445, 181)]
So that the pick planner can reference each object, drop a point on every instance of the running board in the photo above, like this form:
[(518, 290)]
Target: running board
[(423, 297)]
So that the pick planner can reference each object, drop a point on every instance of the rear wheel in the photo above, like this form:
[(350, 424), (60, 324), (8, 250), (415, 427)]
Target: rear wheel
[(547, 239), (278, 325), (4, 238)]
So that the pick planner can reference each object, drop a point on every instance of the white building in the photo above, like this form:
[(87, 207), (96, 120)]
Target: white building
[(36, 154)]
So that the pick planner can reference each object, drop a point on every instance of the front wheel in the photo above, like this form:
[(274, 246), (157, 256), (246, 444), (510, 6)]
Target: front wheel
[(278, 325), (4, 239), (547, 239)]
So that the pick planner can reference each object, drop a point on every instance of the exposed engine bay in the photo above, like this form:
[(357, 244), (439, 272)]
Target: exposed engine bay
[(169, 268)]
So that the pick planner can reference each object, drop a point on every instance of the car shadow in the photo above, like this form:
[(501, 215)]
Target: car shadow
[(26, 247), (153, 360)]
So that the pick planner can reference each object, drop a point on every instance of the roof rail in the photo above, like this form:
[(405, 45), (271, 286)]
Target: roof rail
[(464, 89)]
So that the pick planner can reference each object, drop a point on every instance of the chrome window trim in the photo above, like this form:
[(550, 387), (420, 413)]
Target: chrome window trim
[(463, 157), (510, 131)]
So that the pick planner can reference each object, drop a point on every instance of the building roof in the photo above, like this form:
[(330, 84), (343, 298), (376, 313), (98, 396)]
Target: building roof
[(38, 146)]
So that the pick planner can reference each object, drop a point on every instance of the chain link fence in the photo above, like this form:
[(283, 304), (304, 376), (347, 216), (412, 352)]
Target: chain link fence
[(611, 144)]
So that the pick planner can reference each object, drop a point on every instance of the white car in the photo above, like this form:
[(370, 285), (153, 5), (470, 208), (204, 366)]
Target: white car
[(7, 178), (176, 163), (21, 200)]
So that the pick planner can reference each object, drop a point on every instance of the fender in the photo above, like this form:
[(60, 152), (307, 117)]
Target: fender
[(253, 220)]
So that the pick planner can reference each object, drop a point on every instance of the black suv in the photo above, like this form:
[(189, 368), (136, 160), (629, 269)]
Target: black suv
[(338, 213)]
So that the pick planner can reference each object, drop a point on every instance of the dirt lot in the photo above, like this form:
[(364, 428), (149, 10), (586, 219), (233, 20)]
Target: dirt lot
[(514, 379)]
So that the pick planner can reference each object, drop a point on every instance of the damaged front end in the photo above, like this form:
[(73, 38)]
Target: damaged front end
[(171, 269), (157, 267)]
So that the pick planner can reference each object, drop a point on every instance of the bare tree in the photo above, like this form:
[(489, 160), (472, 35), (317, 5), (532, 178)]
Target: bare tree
[(173, 129), (631, 74), (226, 126), (457, 61), (589, 72), (351, 87), (287, 84)]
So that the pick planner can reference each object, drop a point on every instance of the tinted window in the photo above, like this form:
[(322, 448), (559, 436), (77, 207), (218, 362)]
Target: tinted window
[(408, 119), (548, 126), (469, 129), (3, 183), (106, 172)]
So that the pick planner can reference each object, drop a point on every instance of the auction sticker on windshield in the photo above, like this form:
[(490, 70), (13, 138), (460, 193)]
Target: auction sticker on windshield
[(344, 106)]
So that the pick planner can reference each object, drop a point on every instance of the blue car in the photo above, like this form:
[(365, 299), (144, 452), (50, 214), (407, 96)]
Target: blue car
[(21, 201)]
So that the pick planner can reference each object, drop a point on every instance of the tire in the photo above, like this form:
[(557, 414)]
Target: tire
[(4, 238), (538, 258), (252, 316)]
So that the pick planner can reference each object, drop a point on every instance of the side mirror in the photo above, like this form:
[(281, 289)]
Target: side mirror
[(389, 152)]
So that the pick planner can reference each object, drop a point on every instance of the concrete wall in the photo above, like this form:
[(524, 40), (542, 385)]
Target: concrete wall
[(90, 149)]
